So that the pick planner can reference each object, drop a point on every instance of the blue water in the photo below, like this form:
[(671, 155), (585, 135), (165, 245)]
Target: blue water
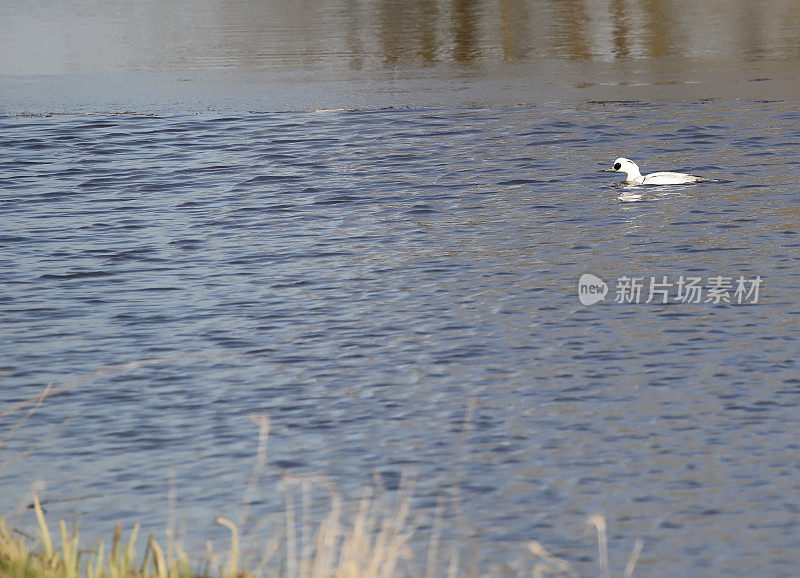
[(397, 290)]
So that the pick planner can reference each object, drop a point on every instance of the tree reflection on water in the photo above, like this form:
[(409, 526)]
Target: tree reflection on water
[(114, 35)]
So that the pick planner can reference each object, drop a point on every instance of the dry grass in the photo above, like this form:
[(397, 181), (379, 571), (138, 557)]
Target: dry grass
[(373, 545), (375, 539)]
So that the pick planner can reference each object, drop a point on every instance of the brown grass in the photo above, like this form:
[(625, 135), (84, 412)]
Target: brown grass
[(375, 539)]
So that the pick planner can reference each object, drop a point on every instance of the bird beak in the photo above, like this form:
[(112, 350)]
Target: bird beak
[(607, 171)]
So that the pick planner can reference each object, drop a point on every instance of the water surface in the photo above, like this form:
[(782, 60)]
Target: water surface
[(186, 240), (363, 277)]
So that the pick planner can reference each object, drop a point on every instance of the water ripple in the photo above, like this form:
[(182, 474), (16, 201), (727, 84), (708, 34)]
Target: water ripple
[(361, 276)]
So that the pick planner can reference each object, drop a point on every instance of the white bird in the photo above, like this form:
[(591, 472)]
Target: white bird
[(663, 178)]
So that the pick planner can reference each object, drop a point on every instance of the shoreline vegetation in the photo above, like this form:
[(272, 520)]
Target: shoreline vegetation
[(363, 538), (374, 545)]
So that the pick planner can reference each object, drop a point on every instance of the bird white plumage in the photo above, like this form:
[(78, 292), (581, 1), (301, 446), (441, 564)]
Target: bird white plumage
[(631, 169)]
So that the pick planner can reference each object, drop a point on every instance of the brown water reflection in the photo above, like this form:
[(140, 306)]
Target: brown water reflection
[(116, 36)]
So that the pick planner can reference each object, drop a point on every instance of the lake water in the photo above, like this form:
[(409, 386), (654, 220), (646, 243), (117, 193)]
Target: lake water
[(186, 241)]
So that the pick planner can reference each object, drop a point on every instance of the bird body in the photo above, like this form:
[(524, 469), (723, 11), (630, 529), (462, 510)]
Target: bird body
[(631, 169)]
